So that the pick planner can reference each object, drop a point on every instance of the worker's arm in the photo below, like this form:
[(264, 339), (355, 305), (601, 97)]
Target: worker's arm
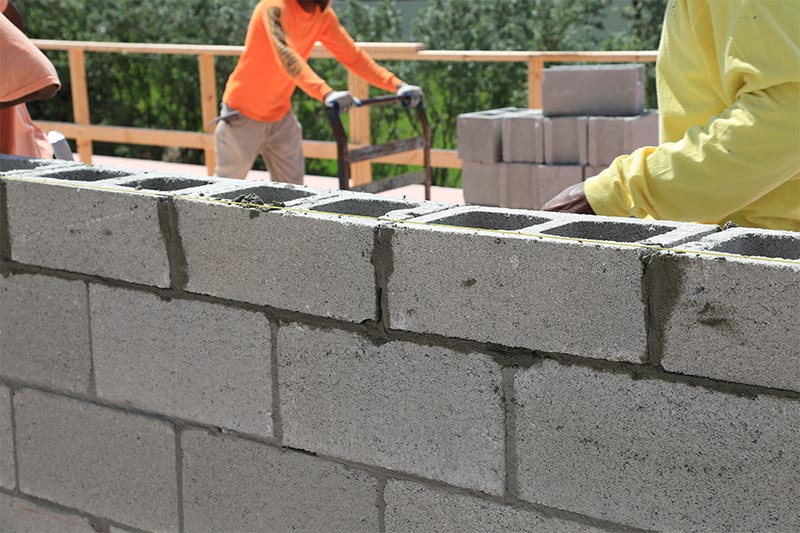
[(11, 12), (743, 153), (27, 73)]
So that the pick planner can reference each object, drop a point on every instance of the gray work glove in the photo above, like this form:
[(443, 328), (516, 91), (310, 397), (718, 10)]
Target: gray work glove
[(342, 101), (412, 92)]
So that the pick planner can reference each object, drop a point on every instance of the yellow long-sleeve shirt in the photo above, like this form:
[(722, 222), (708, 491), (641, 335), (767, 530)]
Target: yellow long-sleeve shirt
[(728, 77)]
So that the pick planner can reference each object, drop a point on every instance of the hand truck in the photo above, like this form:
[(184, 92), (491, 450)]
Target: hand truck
[(346, 156)]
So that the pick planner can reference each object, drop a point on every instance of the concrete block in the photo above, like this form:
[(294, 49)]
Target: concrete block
[(23, 516), (566, 140), (531, 186), (412, 508), (166, 183), (523, 137), (590, 171), (552, 179), (194, 360), (480, 134), (44, 331), (231, 484), (105, 232), (609, 90), (12, 165), (299, 260), (424, 410), (654, 454), (492, 286), (7, 468), (103, 461), (746, 305), (611, 137), (482, 183)]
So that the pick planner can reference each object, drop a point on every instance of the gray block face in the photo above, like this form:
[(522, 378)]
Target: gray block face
[(480, 135), (423, 410), (412, 508), (235, 485), (103, 461), (98, 232), (528, 186), (609, 90), (657, 455), (44, 331), (747, 309), (566, 140), (7, 471), (483, 183), (611, 137), (194, 360), (22, 516), (590, 171), (306, 262), (11, 165), (523, 137), (552, 179)]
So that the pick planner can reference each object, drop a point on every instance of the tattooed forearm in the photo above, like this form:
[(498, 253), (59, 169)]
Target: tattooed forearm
[(288, 57)]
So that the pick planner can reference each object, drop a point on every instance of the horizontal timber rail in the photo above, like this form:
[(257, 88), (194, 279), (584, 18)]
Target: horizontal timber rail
[(85, 133)]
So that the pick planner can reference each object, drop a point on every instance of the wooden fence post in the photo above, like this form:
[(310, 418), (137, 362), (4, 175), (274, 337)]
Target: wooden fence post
[(80, 101), (535, 67), (361, 173), (208, 104)]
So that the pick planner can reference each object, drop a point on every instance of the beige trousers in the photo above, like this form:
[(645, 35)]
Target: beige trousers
[(238, 141)]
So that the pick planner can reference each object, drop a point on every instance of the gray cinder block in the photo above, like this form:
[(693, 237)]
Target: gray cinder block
[(566, 141), (482, 183), (480, 134), (610, 90), (611, 137), (654, 454), (529, 186), (412, 508), (105, 232), (236, 485), (590, 171), (7, 469), (441, 417), (552, 179), (523, 137), (105, 462), (746, 306), (23, 516), (523, 291), (44, 331), (12, 165), (194, 360)]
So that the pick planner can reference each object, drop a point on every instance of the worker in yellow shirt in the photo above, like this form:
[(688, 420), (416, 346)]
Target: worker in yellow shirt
[(256, 113), (728, 79)]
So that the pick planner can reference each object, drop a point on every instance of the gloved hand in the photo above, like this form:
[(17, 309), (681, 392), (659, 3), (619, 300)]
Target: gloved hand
[(343, 101), (570, 200), (413, 92)]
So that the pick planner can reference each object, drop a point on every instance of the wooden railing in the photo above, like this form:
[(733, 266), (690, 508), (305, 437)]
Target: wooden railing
[(84, 132)]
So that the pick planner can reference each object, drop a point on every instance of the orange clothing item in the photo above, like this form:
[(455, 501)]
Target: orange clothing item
[(279, 40), (25, 70)]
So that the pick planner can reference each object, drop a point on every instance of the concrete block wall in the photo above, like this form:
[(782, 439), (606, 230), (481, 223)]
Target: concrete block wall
[(590, 115), (330, 361)]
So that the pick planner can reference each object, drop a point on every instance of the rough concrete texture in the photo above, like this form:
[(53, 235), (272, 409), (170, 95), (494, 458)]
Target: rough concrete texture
[(195, 360), (747, 309), (480, 134), (523, 137), (482, 183), (101, 232), (566, 141), (12, 165), (231, 484), (103, 461), (7, 469), (424, 410), (655, 454), (610, 90), (611, 137), (44, 331), (412, 508), (307, 262), (21, 516)]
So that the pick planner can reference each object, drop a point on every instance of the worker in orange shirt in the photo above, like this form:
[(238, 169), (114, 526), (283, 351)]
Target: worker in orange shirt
[(27, 75), (256, 113)]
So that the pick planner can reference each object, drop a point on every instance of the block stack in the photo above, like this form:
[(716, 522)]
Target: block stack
[(521, 158)]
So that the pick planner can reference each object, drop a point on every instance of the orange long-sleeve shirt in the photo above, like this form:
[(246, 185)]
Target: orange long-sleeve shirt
[(279, 40)]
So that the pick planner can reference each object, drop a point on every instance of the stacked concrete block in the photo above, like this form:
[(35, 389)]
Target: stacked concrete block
[(610, 137), (480, 134), (230, 484), (441, 417), (656, 455), (566, 140), (44, 331), (523, 137), (106, 462), (7, 469), (22, 516), (746, 304), (193, 360), (525, 185), (608, 90), (482, 183)]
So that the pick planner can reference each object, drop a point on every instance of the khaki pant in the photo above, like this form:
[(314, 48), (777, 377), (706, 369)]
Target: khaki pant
[(238, 140)]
